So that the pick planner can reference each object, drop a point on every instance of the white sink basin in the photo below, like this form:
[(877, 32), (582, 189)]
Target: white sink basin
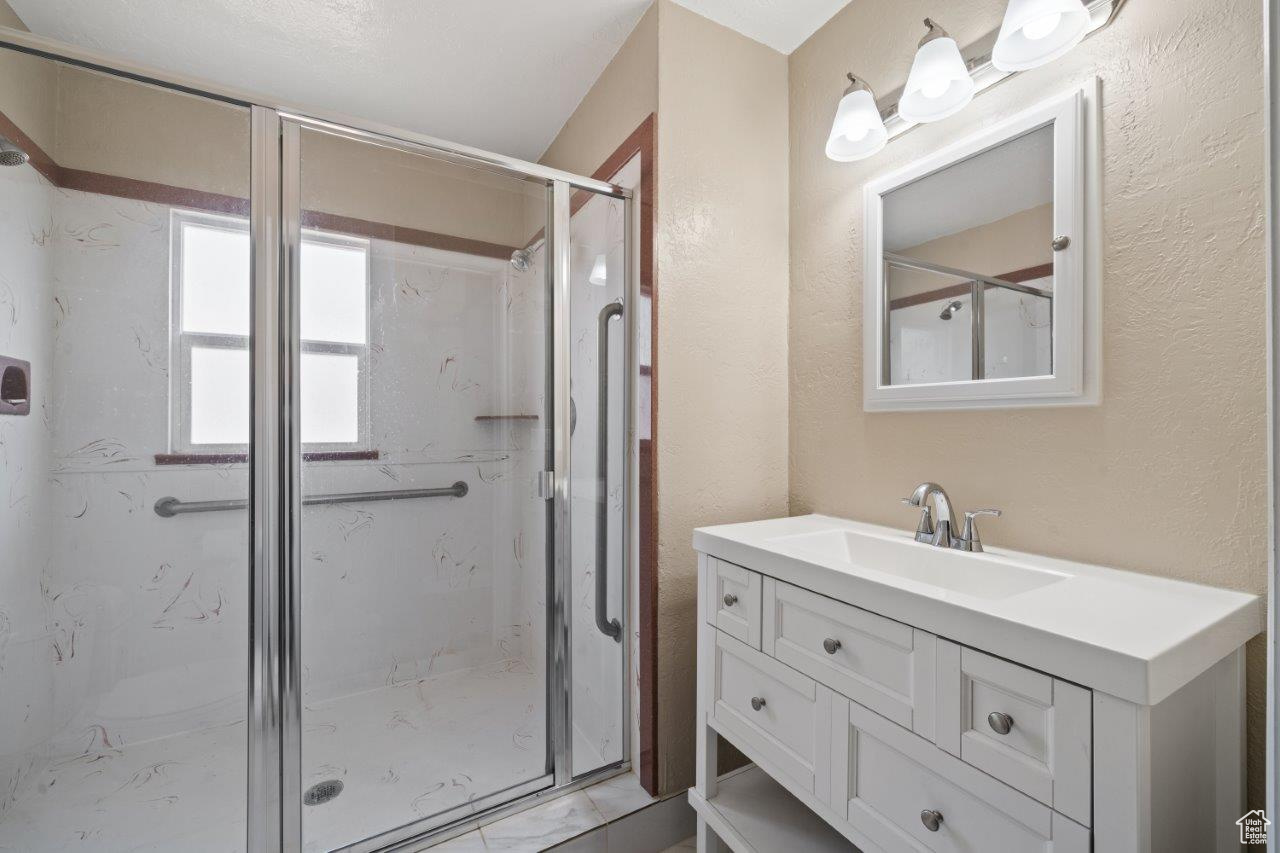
[(1134, 636), (984, 575)]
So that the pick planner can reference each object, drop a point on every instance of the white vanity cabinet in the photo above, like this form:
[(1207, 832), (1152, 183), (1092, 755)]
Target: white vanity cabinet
[(875, 729)]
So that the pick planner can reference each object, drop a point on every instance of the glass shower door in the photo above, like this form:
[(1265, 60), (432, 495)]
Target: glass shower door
[(124, 339), (599, 608), (424, 423)]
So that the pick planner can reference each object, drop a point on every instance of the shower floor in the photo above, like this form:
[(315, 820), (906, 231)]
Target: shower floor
[(403, 752)]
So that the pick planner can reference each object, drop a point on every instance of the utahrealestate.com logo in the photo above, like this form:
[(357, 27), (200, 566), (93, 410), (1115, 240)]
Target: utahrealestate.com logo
[(1253, 827)]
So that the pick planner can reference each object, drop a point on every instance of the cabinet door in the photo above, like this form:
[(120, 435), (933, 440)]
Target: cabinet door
[(776, 713), (1025, 728), (733, 600), (903, 793), (882, 664)]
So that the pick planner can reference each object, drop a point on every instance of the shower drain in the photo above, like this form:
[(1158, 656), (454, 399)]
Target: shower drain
[(322, 792)]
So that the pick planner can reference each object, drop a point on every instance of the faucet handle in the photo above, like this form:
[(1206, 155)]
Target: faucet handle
[(968, 539), (924, 531)]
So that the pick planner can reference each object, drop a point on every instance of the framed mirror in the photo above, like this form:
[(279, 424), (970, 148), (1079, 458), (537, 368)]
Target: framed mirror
[(982, 282)]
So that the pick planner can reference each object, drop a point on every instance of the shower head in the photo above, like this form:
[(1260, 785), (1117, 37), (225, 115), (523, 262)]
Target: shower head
[(951, 309), (12, 155), (520, 259)]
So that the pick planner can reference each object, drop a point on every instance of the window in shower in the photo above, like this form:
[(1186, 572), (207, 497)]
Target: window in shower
[(210, 271)]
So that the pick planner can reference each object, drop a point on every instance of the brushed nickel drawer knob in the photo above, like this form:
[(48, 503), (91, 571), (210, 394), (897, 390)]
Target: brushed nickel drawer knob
[(831, 645), (1000, 723), (1061, 242), (757, 703), (730, 599), (931, 819)]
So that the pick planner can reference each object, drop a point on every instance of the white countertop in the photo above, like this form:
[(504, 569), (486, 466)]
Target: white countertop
[(1134, 636)]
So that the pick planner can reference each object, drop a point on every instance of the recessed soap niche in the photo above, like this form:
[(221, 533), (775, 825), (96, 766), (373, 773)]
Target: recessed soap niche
[(15, 386)]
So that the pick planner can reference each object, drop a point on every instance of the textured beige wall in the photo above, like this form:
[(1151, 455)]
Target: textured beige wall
[(9, 18), (1007, 245), (26, 87), (98, 123), (722, 323), (1168, 474), (623, 96), (385, 185), (132, 130)]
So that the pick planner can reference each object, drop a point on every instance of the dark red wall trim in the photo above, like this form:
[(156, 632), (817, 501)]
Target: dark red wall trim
[(114, 185)]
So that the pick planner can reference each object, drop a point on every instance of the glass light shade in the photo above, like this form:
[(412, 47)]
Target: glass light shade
[(599, 271), (939, 84), (858, 131), (1038, 31)]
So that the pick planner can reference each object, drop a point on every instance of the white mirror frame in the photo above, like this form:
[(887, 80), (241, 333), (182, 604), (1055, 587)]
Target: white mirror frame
[(1077, 270)]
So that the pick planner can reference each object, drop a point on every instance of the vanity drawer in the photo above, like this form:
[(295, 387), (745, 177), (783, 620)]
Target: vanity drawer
[(773, 711), (885, 665), (892, 781), (1026, 728), (733, 600)]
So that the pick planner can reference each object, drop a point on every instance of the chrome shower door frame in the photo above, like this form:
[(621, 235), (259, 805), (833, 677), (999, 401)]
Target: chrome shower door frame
[(275, 703), (274, 744), (275, 800)]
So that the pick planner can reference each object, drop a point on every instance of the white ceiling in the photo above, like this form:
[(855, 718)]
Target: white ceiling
[(503, 75), (784, 25)]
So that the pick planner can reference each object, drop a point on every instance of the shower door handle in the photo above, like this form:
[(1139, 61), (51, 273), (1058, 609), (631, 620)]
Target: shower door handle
[(608, 627)]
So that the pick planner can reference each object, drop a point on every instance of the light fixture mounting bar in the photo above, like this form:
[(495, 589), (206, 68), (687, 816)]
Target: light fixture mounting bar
[(977, 57)]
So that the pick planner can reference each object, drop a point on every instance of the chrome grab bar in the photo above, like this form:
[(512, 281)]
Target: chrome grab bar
[(168, 507), (608, 627)]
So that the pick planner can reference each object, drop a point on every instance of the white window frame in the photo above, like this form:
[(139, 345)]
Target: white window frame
[(1077, 271), (182, 342)]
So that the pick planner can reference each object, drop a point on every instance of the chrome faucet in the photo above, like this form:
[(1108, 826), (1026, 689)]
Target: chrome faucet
[(938, 530)]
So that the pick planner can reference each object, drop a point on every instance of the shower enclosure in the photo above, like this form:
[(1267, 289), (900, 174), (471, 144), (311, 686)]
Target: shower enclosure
[(317, 531), (945, 324)]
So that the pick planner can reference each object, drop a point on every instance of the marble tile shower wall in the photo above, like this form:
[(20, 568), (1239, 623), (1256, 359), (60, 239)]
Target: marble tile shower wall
[(26, 331), (118, 626)]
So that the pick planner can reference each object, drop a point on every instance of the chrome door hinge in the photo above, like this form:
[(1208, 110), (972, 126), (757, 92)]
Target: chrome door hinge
[(546, 485)]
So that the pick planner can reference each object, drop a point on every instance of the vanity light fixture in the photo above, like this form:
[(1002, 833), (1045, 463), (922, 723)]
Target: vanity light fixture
[(858, 130), (599, 271), (945, 76), (1038, 31), (939, 84)]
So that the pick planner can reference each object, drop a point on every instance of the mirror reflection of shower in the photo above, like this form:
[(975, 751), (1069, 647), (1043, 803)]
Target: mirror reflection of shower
[(11, 154), (952, 307)]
